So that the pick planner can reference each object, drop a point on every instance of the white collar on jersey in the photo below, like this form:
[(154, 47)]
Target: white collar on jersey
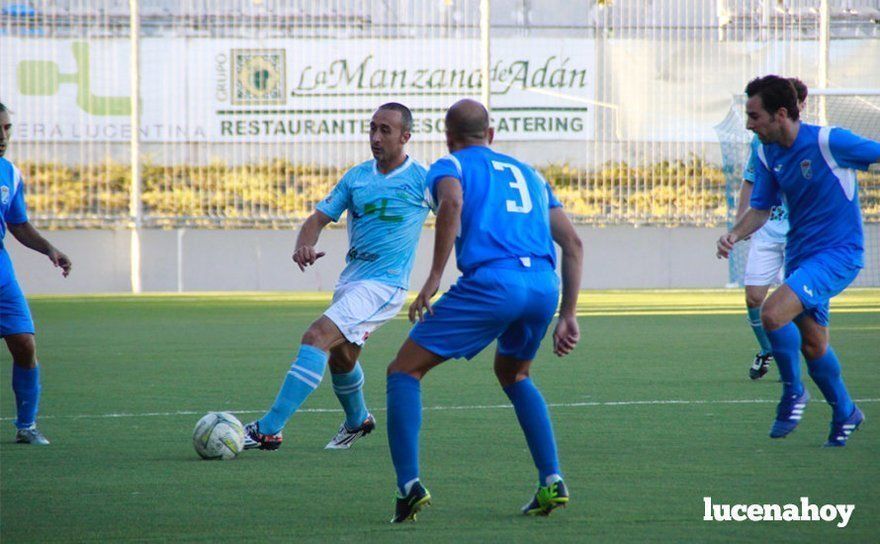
[(399, 170)]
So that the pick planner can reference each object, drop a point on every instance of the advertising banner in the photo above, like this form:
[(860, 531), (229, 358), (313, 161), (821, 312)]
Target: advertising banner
[(286, 91)]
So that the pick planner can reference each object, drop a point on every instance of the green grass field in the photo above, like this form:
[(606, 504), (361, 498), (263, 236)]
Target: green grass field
[(653, 412)]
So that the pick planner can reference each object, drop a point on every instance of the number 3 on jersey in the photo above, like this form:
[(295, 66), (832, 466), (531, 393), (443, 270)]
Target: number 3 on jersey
[(518, 183)]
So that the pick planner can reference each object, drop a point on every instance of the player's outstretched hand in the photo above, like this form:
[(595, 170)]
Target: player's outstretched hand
[(566, 335), (60, 260), (422, 302), (305, 256), (725, 245)]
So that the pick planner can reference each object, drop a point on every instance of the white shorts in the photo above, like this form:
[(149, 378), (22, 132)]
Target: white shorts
[(765, 263), (361, 307)]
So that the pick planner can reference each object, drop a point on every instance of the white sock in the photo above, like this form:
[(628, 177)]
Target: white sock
[(553, 478), (407, 487)]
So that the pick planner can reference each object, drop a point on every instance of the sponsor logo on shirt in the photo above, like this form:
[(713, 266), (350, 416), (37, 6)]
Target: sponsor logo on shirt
[(808, 291), (4, 194), (381, 208), (778, 213), (777, 168), (354, 254)]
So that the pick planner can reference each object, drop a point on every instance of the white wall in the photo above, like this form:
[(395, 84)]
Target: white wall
[(620, 257), (259, 260)]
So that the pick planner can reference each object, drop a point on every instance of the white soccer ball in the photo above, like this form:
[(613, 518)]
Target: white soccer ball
[(218, 435)]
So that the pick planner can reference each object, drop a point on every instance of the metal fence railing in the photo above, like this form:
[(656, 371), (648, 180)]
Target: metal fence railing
[(249, 110)]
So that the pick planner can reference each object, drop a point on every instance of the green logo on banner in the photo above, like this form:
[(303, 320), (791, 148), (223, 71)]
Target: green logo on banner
[(258, 77), (44, 78)]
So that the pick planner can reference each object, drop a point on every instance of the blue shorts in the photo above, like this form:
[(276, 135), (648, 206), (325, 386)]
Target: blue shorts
[(818, 278), (512, 304), (15, 316)]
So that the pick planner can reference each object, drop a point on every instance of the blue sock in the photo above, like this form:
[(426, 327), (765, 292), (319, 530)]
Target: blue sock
[(304, 376), (758, 329), (404, 400), (786, 342), (349, 389), (825, 371), (26, 386), (534, 418)]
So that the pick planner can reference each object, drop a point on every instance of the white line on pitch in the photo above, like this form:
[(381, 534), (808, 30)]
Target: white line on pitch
[(436, 408)]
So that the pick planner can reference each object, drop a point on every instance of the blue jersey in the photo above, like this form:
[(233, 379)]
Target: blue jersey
[(15, 316), (12, 207), (385, 217), (506, 209), (816, 177), (776, 227)]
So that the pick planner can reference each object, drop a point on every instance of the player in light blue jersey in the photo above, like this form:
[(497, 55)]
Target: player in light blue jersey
[(502, 218), (813, 169), (16, 325), (764, 265), (386, 203)]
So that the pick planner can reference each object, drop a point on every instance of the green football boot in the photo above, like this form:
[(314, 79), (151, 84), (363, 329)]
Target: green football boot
[(407, 507), (547, 499)]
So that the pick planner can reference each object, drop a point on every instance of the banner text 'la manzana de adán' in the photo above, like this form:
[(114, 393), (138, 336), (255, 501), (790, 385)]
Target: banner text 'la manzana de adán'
[(284, 91)]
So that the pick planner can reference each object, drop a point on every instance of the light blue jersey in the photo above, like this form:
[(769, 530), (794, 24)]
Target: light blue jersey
[(506, 210), (816, 176), (385, 217), (776, 227)]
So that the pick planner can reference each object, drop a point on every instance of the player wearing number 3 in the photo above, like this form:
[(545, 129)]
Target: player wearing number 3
[(502, 218)]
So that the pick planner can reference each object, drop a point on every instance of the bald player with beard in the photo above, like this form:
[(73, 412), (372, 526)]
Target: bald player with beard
[(503, 220)]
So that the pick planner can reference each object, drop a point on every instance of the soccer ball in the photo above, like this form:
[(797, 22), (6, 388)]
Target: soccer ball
[(218, 435)]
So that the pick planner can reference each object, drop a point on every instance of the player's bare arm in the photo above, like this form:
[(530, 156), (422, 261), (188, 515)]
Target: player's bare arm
[(31, 238), (305, 253), (751, 221), (745, 195), (567, 332), (450, 198)]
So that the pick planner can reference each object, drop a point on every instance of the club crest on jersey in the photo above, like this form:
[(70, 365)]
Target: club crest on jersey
[(4, 194), (807, 169)]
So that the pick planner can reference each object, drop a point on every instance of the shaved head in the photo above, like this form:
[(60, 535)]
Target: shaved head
[(5, 128), (467, 120)]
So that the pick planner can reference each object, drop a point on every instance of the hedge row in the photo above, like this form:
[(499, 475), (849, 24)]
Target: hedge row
[(667, 192)]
